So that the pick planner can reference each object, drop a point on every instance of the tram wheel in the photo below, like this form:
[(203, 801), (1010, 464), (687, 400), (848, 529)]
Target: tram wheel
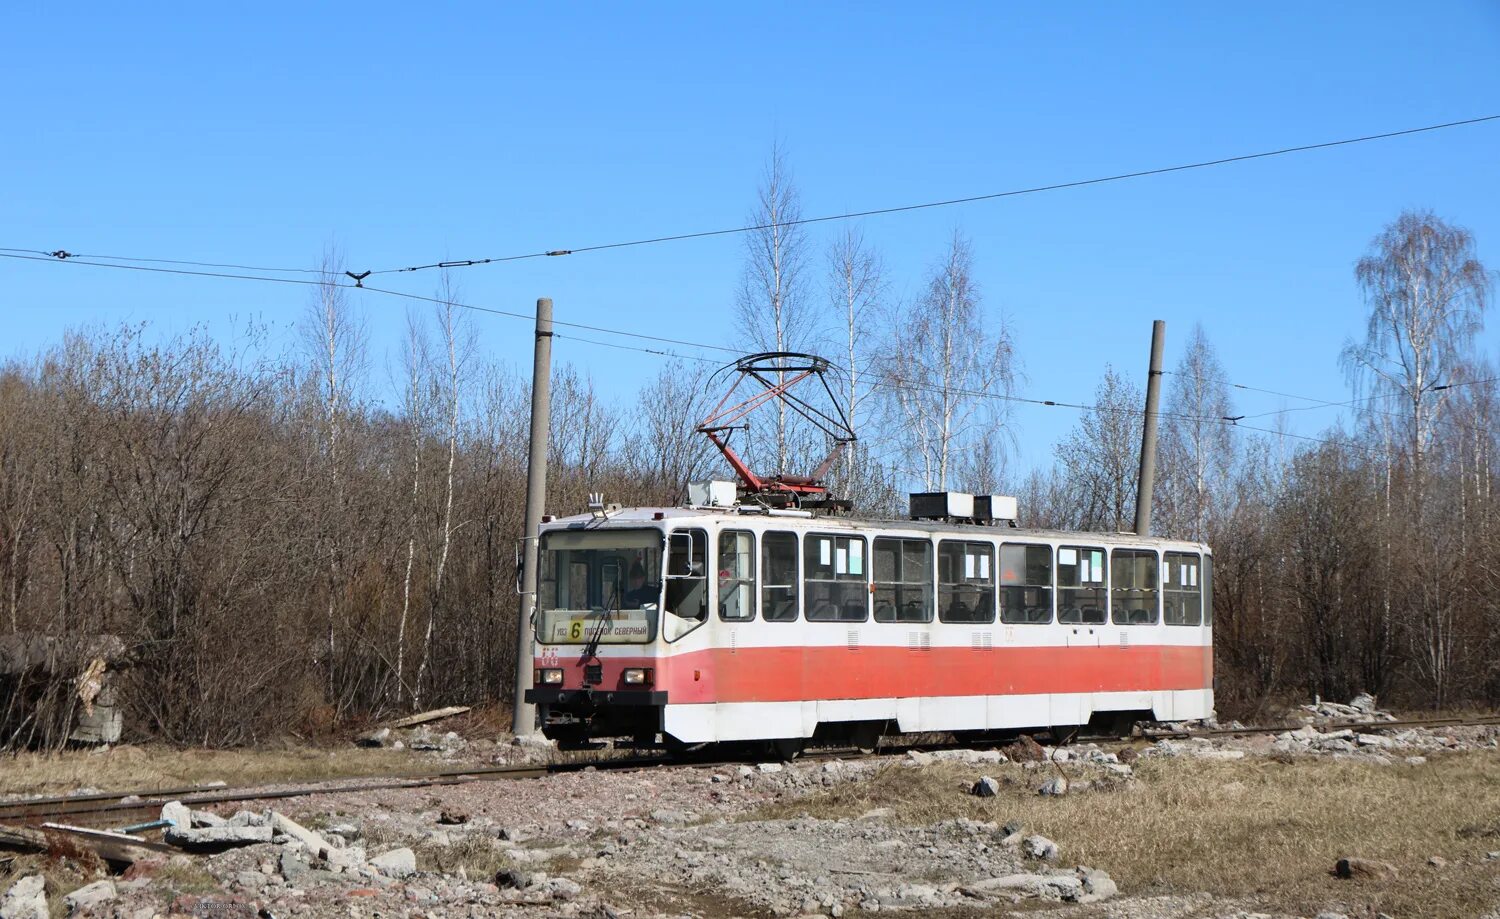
[(1064, 734), (788, 748)]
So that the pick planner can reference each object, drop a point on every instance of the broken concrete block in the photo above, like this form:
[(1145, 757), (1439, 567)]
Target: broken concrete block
[(26, 899), (90, 896), (214, 837), (397, 863), (207, 818), (177, 812), (378, 738), (310, 841), (348, 859)]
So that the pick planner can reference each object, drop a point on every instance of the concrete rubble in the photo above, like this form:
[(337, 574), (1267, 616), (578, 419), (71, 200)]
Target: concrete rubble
[(611, 844), (26, 899)]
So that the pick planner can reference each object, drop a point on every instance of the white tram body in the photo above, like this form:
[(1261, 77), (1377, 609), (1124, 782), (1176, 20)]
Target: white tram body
[(721, 624)]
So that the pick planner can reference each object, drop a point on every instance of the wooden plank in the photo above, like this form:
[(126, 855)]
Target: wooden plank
[(436, 714)]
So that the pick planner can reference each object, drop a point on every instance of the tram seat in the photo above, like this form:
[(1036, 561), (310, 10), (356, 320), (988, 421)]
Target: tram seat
[(1093, 615), (958, 611), (854, 611), (1038, 614)]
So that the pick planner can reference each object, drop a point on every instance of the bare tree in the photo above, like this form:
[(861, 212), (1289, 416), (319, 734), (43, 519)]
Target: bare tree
[(457, 349), (669, 451), (942, 367), (336, 342), (1197, 443), (770, 307), (1100, 457), (856, 285), (1427, 293), (415, 408)]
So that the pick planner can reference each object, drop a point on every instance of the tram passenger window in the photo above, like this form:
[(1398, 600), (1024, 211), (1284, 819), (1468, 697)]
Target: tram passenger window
[(778, 572), (1081, 594), (737, 575), (687, 582), (1208, 590), (1181, 595), (903, 580), (1025, 583), (835, 579), (966, 582), (1134, 586)]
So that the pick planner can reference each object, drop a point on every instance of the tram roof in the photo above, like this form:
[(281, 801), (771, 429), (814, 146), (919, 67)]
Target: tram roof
[(631, 517)]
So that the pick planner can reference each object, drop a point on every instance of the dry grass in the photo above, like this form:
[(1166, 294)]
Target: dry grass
[(148, 768), (1257, 829)]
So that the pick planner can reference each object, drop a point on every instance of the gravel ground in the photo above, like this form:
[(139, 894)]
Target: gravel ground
[(678, 841)]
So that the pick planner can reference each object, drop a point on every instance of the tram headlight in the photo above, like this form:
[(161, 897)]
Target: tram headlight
[(550, 676), (638, 676)]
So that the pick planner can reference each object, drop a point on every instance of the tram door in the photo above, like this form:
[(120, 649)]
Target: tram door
[(1083, 614)]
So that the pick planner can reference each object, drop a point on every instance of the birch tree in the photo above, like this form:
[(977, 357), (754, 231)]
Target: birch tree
[(1427, 293), (1197, 443), (457, 343), (415, 411), (1100, 458), (943, 367), (335, 340), (856, 285), (771, 306)]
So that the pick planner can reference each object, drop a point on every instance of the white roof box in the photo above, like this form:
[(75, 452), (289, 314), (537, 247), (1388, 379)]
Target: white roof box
[(989, 508), (713, 493), (941, 505)]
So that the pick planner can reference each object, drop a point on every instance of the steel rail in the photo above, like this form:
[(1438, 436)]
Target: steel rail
[(101, 803), (145, 799)]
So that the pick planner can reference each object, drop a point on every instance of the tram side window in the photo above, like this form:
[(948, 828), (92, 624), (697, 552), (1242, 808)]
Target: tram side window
[(1081, 594), (1025, 583), (1208, 590), (1181, 595), (966, 586), (903, 580), (687, 582), (778, 572), (835, 579), (737, 575), (1135, 586)]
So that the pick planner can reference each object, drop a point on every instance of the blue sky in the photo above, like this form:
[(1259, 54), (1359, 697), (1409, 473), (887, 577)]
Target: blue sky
[(412, 135)]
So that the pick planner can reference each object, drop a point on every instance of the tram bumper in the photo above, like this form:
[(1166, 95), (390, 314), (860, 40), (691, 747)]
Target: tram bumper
[(579, 715), (596, 697)]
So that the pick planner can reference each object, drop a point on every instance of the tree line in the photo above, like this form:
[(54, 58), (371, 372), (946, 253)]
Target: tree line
[(282, 550)]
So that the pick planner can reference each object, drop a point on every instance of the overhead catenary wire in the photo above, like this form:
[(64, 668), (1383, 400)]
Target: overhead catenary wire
[(329, 279), (947, 202), (62, 254), (332, 280)]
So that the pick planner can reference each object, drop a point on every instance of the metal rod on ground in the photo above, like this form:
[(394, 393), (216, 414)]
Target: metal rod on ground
[(1148, 433), (523, 716)]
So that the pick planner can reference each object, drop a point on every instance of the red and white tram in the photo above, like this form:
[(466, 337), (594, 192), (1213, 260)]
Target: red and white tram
[(707, 624)]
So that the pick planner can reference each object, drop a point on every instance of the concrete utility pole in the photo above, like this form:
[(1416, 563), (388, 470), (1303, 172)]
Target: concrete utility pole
[(523, 716), (1147, 479)]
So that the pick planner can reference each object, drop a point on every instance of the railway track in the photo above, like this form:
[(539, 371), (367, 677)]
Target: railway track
[(112, 806)]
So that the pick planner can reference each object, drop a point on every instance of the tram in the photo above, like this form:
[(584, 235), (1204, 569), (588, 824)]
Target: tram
[(723, 622)]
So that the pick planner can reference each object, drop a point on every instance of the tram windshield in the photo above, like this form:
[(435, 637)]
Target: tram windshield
[(599, 586)]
